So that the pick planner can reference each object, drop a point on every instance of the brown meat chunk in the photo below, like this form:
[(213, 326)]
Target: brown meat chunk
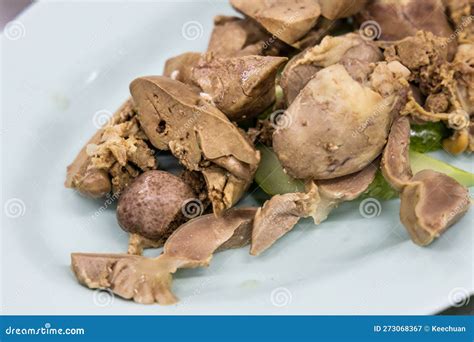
[(279, 215), (241, 87), (148, 280), (401, 19), (395, 161), (350, 50), (464, 76), (437, 102), (196, 181), (425, 55), (450, 88), (461, 13), (233, 37), (430, 201), (282, 212), (113, 157), (262, 132), (153, 204), (288, 20), (180, 68), (430, 204), (315, 143), (199, 135), (323, 28), (93, 269), (295, 76), (333, 192), (335, 9)]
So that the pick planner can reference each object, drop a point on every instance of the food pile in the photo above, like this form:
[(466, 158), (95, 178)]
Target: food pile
[(317, 101)]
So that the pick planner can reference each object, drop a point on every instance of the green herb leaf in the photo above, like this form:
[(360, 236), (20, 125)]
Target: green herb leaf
[(380, 189), (428, 137)]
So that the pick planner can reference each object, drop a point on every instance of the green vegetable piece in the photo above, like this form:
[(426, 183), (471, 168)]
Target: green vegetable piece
[(420, 161), (273, 180), (428, 137), (379, 189), (271, 177)]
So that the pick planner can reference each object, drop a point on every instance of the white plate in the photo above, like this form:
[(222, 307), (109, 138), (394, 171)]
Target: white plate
[(69, 60)]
